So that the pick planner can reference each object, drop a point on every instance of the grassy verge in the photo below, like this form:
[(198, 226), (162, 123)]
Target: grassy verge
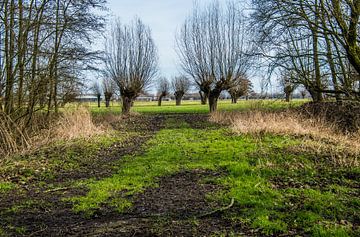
[(276, 190)]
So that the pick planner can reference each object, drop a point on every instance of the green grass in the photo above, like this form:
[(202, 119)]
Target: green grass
[(251, 165), (63, 156), (169, 107), (6, 187)]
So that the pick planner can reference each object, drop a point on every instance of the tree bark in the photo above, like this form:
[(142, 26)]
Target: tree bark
[(178, 97), (315, 38), (178, 101), (312, 93), (349, 30), (204, 97), (99, 100), (287, 97), (213, 99), (126, 105), (233, 99), (10, 53), (21, 54), (160, 100), (329, 54)]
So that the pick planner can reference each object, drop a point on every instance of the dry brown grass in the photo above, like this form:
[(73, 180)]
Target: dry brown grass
[(12, 138), (72, 124), (76, 124), (318, 136)]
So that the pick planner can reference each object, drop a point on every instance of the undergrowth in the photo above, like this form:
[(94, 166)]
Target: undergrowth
[(18, 136)]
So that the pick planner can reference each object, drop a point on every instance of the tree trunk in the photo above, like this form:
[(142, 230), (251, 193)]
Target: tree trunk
[(178, 96), (233, 99), (107, 102), (21, 55), (349, 31), (98, 100), (313, 94), (213, 99), (9, 54), (178, 100), (126, 105), (160, 100), (315, 37), (287, 97), (329, 55), (34, 57), (203, 97)]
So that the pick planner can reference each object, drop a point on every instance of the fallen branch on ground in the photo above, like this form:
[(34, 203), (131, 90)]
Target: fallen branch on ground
[(222, 209)]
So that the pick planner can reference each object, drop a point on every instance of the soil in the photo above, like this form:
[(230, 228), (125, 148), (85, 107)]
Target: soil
[(173, 208)]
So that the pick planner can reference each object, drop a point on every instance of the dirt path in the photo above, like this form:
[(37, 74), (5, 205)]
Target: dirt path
[(171, 209)]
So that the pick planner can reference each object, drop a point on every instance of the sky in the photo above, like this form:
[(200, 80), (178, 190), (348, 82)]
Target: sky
[(165, 18)]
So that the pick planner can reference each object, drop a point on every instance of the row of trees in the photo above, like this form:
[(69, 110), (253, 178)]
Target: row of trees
[(312, 43), (181, 85), (43, 52), (215, 52), (178, 86)]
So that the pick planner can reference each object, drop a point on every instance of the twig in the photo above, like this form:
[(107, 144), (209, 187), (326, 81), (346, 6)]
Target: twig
[(222, 209), (57, 189)]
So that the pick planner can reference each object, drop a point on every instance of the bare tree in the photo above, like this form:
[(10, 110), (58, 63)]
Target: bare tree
[(42, 46), (303, 93), (287, 83), (180, 86), (214, 49), (96, 89), (242, 87), (315, 38), (108, 90), (131, 60), (163, 89)]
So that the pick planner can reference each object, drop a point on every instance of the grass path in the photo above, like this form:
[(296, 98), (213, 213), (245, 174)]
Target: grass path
[(189, 169)]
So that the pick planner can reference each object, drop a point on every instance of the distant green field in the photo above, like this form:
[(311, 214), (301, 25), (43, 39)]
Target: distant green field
[(196, 107)]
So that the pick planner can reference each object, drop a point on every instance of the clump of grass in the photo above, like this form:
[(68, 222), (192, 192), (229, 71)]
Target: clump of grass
[(280, 123), (76, 124)]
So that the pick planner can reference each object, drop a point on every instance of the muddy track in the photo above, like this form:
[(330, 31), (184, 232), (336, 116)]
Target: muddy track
[(171, 209), (168, 210)]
